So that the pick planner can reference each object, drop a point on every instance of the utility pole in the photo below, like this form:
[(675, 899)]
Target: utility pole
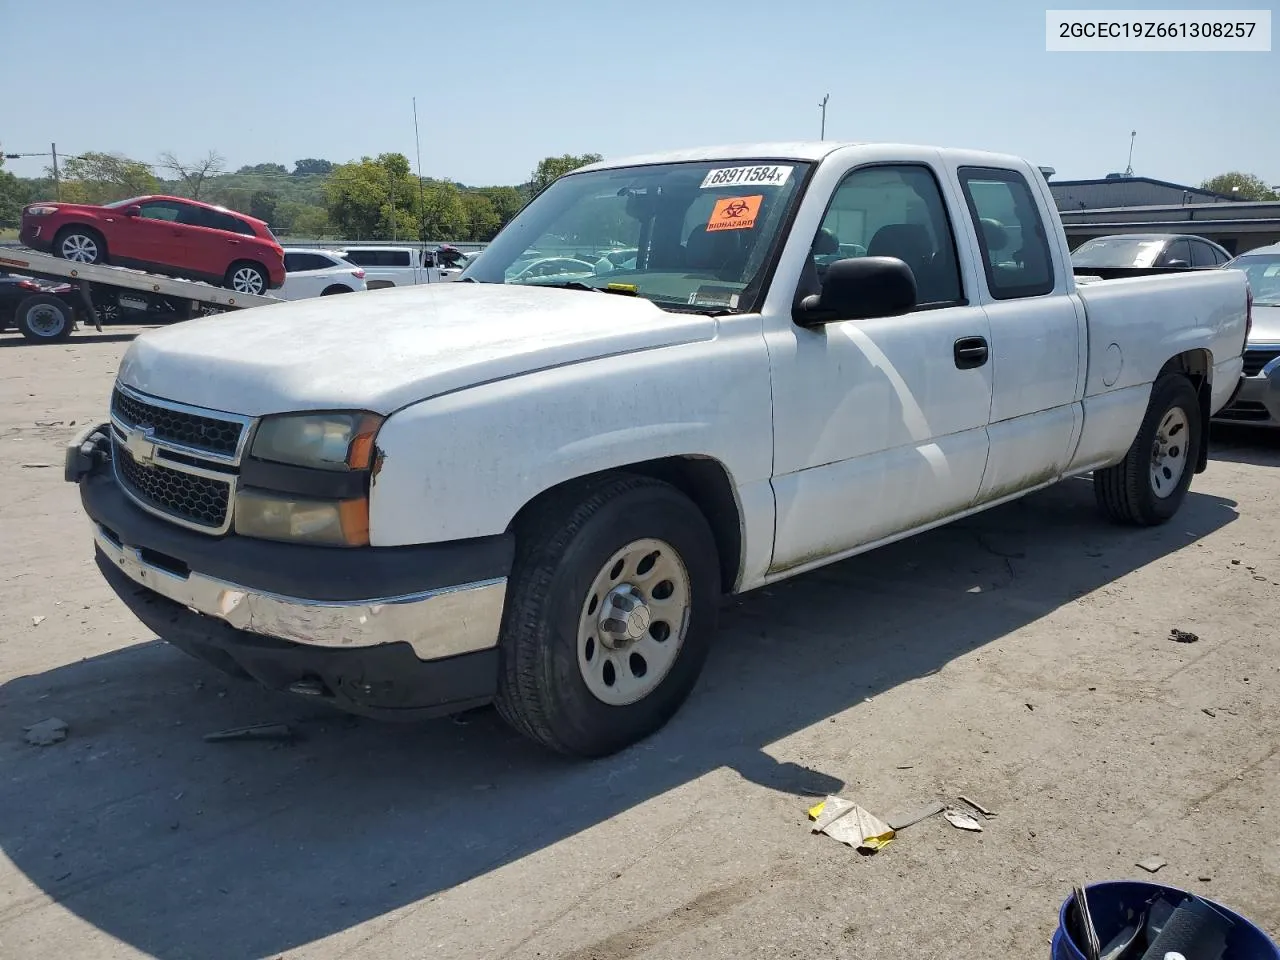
[(1128, 171), (391, 182), (57, 181), (823, 105)]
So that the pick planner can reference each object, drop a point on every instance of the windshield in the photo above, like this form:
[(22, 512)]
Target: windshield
[(124, 203), (1117, 252), (684, 235), (1263, 272)]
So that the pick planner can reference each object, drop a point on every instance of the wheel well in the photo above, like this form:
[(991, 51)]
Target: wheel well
[(702, 480), (83, 228), (1196, 366), (247, 262), (335, 288)]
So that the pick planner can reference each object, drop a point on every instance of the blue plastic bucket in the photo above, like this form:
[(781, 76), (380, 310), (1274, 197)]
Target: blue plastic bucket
[(1110, 902)]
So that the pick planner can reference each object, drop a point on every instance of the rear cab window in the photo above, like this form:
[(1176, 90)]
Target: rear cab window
[(1014, 244)]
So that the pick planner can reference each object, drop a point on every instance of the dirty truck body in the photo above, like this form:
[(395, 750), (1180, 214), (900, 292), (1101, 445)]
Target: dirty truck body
[(417, 501)]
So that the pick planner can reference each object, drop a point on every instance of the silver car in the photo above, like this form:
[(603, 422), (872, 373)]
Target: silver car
[(1258, 401)]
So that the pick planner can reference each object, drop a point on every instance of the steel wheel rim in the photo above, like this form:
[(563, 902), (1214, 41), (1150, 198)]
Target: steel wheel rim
[(80, 248), (1169, 452), (247, 280), (45, 321), (633, 622)]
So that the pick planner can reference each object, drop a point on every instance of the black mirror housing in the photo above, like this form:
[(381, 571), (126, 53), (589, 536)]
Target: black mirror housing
[(860, 288), (132, 211)]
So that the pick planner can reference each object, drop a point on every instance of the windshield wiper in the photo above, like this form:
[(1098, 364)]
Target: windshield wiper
[(628, 291)]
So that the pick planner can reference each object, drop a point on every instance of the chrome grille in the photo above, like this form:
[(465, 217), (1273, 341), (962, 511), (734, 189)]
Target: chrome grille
[(178, 426), (197, 500), (1257, 358)]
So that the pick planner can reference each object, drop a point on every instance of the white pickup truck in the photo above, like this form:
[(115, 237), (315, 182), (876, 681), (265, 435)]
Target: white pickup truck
[(536, 494), (391, 266)]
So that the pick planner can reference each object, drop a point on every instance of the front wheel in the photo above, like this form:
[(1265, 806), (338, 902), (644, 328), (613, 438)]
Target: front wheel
[(613, 604), (1148, 486), (44, 318), (247, 278), (80, 245)]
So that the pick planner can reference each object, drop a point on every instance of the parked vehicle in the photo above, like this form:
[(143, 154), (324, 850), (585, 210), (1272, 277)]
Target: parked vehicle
[(394, 266), (536, 493), (318, 273), (1259, 400), (1139, 254), (38, 309), (170, 235)]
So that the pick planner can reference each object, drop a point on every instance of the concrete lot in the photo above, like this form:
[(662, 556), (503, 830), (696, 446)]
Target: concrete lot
[(1021, 658)]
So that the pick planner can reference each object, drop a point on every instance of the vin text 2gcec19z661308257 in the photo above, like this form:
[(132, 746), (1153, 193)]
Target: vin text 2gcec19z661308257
[(534, 489)]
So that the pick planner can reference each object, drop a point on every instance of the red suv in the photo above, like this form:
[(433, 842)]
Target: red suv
[(182, 238)]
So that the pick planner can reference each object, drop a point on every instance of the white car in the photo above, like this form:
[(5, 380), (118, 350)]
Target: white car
[(312, 272), (538, 493)]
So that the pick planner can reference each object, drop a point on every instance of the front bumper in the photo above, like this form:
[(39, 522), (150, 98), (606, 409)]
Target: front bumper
[(1257, 402), (393, 630)]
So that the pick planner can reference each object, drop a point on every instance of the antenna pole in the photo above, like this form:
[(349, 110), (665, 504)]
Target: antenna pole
[(422, 206), (823, 105), (1128, 171)]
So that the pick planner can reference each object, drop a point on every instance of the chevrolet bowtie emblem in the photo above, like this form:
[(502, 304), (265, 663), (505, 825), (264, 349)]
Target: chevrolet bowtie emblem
[(140, 443)]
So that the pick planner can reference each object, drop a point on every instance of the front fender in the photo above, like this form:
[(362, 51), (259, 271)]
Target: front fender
[(463, 464)]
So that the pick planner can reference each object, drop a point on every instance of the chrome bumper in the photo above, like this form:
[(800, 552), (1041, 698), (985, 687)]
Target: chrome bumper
[(436, 624)]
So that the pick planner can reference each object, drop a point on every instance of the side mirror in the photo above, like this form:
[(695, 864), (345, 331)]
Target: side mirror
[(133, 211), (1176, 263), (859, 288)]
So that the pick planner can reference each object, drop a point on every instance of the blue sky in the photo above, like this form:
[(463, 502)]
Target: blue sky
[(502, 84)]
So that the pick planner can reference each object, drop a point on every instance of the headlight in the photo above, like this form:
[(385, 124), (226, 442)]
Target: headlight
[(325, 441), (280, 516), (41, 211)]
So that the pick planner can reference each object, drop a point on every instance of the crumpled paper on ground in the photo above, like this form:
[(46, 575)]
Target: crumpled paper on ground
[(844, 820)]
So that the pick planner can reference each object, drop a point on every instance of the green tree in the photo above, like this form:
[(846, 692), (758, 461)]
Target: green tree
[(1242, 186), (104, 177), (443, 215), (551, 168), (303, 167), (263, 204), (312, 223), (506, 202), (482, 219), (12, 197), (373, 199), (269, 169)]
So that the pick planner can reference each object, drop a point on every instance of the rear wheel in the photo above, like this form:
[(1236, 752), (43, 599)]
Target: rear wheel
[(244, 277), (612, 607), (44, 318), (80, 244), (1148, 486)]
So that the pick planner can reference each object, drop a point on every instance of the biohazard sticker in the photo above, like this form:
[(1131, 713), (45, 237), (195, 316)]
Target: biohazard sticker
[(735, 213)]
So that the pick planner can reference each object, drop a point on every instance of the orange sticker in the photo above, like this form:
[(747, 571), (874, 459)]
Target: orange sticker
[(735, 213)]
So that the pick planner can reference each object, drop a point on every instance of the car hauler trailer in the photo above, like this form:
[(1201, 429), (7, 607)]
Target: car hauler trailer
[(44, 318)]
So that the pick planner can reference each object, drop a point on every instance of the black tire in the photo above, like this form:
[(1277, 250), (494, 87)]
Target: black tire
[(44, 318), (1126, 492), (560, 552), (238, 278), (90, 243), (336, 288)]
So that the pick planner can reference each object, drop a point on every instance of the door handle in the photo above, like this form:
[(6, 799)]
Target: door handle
[(971, 352), (229, 240)]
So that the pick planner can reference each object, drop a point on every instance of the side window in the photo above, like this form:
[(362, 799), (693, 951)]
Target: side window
[(399, 258), (893, 211), (1178, 254), (160, 210), (1011, 233), (1203, 255), (293, 262), (361, 258)]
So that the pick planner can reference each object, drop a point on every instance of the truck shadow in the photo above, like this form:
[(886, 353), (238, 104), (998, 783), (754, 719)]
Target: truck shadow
[(182, 848), (1238, 443)]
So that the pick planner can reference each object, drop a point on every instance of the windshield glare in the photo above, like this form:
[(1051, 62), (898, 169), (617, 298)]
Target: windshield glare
[(684, 235), (1117, 252), (1264, 277)]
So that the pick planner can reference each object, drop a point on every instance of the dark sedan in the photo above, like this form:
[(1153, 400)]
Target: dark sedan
[(1135, 254)]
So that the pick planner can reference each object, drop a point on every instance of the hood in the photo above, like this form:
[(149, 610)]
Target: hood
[(1266, 324), (384, 349)]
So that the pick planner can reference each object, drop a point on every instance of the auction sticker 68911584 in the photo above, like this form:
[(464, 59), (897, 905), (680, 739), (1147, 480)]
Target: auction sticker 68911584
[(771, 175)]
